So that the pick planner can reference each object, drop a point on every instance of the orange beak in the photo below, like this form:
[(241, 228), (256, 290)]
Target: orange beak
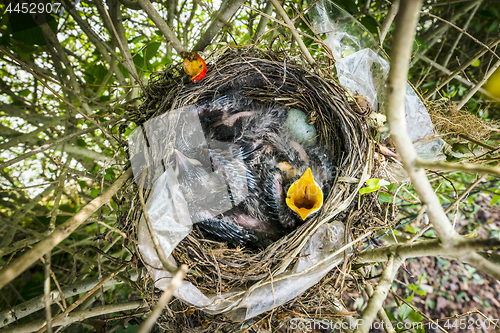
[(305, 196), (194, 65)]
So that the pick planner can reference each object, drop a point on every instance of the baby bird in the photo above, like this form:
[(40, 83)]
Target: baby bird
[(252, 183)]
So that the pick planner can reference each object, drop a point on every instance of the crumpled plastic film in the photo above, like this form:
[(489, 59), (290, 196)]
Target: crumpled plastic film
[(362, 70), (318, 257), (177, 201)]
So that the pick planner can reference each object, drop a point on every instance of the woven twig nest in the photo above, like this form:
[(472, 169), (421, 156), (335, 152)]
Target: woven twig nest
[(270, 79)]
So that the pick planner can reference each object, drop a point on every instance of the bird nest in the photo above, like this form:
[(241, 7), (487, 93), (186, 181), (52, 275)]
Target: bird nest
[(270, 79)]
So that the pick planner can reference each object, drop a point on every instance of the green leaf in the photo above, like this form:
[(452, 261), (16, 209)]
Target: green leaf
[(415, 317), (494, 26), (95, 192), (26, 30), (136, 39), (384, 197), (370, 23), (151, 50), (494, 199), (373, 185), (476, 63), (404, 312), (431, 303), (391, 316), (24, 93), (80, 142)]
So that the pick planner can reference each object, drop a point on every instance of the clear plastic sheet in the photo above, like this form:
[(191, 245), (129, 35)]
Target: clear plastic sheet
[(316, 259), (172, 213), (363, 70)]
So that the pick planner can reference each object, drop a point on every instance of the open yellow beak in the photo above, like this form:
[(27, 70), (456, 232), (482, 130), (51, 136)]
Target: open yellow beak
[(305, 196)]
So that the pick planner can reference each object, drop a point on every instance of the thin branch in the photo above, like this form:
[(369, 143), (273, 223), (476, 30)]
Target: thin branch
[(471, 93), (84, 115), (404, 34), (463, 67), (464, 32), (79, 316), (163, 301), (457, 77), (483, 264), (436, 34), (50, 145), (81, 299), (464, 167), (123, 46), (25, 309), (46, 292), (457, 39), (386, 323), (294, 32), (22, 263), (222, 18), (261, 27), (428, 248), (159, 250), (386, 25), (379, 294)]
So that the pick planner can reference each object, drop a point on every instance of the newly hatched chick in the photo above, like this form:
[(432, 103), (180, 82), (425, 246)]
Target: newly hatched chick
[(271, 182)]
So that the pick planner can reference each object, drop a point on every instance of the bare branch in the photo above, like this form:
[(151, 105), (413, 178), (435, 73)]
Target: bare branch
[(464, 167), (161, 24), (294, 32), (478, 85), (79, 316), (404, 34), (50, 145), (463, 67), (457, 77), (381, 312), (22, 310), (227, 9), (427, 248), (80, 300), (386, 25), (261, 27), (22, 263), (162, 302), (379, 294)]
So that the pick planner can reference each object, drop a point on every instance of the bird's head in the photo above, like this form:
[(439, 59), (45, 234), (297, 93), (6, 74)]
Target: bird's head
[(305, 196), (194, 65)]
